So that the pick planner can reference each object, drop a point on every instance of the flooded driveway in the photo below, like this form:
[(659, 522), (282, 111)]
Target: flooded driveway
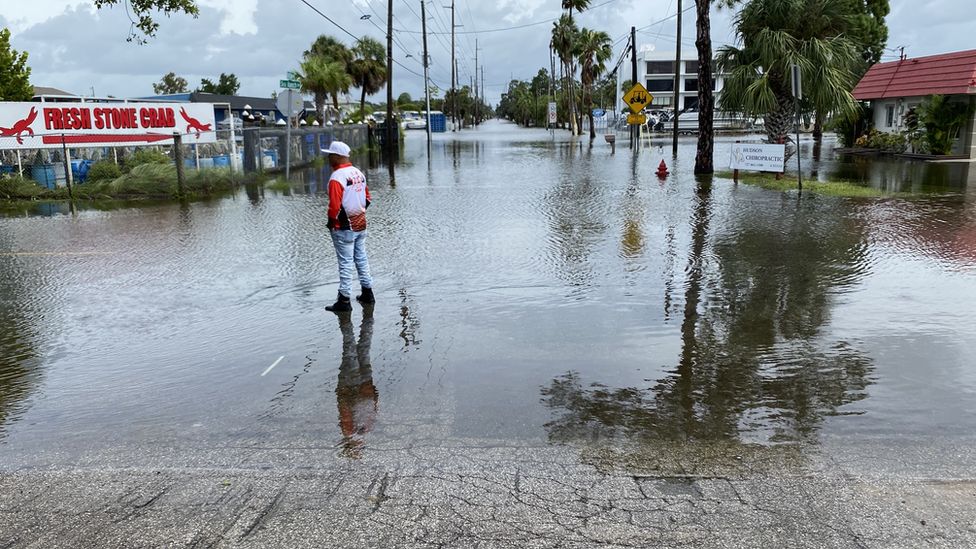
[(530, 293)]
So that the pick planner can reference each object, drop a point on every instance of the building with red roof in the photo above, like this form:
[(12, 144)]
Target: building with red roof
[(895, 87)]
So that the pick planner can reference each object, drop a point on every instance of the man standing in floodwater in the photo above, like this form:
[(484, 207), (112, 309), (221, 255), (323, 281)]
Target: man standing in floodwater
[(348, 200)]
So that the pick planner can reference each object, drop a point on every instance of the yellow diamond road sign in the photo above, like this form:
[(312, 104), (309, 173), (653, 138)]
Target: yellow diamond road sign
[(638, 98)]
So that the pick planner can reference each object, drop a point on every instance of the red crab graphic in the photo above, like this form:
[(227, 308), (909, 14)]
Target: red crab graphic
[(194, 123), (20, 127)]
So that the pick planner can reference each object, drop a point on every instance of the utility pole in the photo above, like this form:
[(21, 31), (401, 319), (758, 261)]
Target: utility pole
[(423, 24), (677, 84), (633, 75), (477, 100), (391, 130), (483, 85), (453, 74)]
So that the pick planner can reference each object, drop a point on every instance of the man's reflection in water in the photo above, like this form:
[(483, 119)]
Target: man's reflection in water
[(356, 395)]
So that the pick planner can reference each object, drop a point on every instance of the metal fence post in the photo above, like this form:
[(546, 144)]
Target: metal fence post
[(178, 157)]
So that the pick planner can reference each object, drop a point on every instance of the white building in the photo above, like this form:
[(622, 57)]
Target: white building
[(656, 71)]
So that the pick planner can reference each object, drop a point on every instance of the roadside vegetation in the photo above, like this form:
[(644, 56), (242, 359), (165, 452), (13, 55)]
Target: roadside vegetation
[(144, 181), (839, 187)]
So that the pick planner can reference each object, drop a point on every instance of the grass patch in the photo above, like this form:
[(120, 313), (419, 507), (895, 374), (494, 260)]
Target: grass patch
[(18, 188), (143, 181), (278, 184), (851, 189)]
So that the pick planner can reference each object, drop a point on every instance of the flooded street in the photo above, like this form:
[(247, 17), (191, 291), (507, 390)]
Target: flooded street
[(528, 293)]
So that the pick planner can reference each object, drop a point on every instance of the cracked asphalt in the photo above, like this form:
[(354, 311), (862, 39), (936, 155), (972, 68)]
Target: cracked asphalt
[(502, 495)]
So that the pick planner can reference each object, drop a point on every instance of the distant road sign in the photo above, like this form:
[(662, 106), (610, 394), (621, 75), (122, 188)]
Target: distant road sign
[(633, 119), (290, 84), (599, 112), (292, 75), (638, 98), (290, 103), (552, 113)]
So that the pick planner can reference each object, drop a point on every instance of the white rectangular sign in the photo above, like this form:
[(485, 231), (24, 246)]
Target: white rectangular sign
[(76, 124), (758, 157), (552, 113)]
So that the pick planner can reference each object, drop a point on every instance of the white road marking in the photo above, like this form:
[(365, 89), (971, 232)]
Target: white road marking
[(280, 358)]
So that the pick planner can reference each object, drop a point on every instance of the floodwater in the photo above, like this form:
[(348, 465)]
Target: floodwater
[(529, 291)]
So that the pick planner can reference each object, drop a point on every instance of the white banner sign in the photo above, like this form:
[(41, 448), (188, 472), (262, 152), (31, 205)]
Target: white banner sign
[(758, 157), (48, 125), (552, 113)]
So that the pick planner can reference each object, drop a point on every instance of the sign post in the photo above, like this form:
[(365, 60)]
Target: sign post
[(290, 105), (797, 85), (637, 98), (552, 114)]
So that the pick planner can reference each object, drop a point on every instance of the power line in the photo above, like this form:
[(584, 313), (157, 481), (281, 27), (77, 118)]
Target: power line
[(525, 25), (327, 18)]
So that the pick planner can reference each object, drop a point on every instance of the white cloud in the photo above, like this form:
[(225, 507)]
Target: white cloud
[(74, 48)]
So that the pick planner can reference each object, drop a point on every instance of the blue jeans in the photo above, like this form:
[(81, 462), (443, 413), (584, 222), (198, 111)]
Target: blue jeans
[(350, 249)]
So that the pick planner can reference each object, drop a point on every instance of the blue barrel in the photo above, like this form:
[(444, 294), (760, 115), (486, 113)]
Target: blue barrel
[(221, 161), (7, 169), (44, 175)]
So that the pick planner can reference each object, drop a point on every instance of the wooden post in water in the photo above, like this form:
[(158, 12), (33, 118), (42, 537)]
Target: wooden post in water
[(735, 172), (67, 167), (178, 158)]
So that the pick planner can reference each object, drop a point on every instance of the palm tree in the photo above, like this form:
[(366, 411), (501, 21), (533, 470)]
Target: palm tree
[(578, 5), (594, 50), (330, 48), (776, 34), (321, 77), (564, 41), (368, 69)]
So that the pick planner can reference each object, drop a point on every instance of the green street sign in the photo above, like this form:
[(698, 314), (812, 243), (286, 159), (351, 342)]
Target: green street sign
[(290, 84)]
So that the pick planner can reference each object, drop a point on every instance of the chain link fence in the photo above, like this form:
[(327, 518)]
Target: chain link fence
[(253, 149)]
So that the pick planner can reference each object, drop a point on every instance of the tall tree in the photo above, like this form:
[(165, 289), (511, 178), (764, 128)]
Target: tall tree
[(868, 28), (706, 98), (142, 11), (564, 41), (14, 73), (367, 68), (227, 84), (775, 34), (322, 77), (594, 50), (170, 84)]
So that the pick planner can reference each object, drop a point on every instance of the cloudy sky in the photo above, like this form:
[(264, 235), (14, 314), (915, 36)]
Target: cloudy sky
[(78, 49)]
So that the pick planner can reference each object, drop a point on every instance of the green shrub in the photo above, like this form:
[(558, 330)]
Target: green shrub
[(104, 170), (14, 187), (145, 156), (883, 141)]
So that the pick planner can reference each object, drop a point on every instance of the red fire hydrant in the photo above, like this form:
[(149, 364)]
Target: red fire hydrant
[(662, 170)]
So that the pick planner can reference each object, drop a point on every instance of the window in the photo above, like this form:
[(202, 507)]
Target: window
[(889, 116), (662, 100), (660, 85), (691, 85), (690, 103), (691, 67), (660, 67)]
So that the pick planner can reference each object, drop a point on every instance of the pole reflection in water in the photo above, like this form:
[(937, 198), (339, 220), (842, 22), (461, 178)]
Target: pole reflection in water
[(356, 395)]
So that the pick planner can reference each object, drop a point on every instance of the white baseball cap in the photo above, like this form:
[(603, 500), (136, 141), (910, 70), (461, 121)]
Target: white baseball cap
[(337, 148)]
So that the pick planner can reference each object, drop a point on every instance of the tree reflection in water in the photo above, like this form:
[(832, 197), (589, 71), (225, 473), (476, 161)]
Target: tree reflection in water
[(755, 364)]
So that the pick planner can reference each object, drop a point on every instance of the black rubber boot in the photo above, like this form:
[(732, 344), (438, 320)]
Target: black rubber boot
[(366, 296), (342, 304)]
